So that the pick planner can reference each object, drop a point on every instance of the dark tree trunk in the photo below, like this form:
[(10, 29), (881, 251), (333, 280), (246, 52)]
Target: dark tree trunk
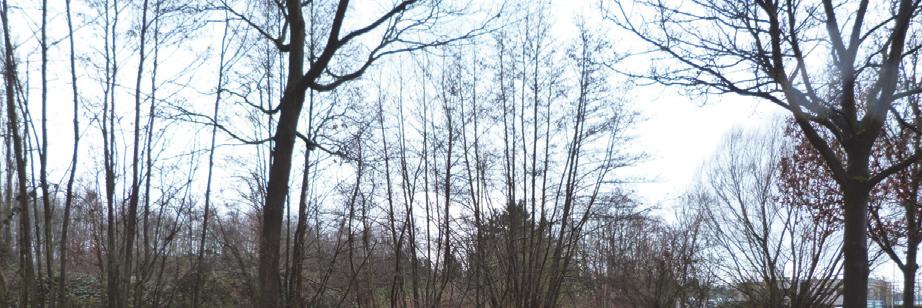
[(112, 265), (69, 197), (909, 281), (855, 245), (912, 265), (25, 237), (43, 160), (289, 112), (132, 220), (280, 170), (295, 279), (279, 174), (855, 239)]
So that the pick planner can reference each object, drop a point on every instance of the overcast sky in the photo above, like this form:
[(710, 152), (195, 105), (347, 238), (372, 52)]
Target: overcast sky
[(677, 131)]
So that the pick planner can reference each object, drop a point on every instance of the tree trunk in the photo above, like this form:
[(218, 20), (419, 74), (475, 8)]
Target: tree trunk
[(280, 170), (279, 174), (132, 220), (69, 197), (909, 283), (107, 127), (43, 160), (855, 242), (295, 278), (296, 281), (909, 270), (25, 237)]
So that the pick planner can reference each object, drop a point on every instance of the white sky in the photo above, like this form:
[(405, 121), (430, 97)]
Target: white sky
[(678, 132)]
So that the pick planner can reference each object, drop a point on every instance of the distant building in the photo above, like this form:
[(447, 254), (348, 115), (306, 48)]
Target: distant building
[(880, 295)]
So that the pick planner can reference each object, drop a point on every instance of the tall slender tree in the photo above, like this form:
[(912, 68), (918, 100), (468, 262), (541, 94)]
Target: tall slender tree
[(69, 193), (199, 266), (27, 291), (43, 158), (396, 22)]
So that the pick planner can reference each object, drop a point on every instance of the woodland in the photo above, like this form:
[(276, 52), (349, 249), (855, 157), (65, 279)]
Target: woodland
[(454, 153)]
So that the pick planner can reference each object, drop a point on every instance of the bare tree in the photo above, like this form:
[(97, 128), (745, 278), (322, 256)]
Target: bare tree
[(633, 259), (69, 193), (396, 22), (27, 288), (43, 161), (556, 156), (199, 266), (131, 225), (777, 51), (772, 252), (107, 128)]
